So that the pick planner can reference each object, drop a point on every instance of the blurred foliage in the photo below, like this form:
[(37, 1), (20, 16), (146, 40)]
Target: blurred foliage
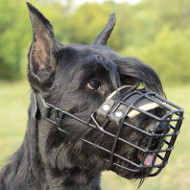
[(157, 32), (169, 55)]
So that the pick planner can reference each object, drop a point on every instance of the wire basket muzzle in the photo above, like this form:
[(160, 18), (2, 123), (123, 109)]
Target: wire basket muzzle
[(121, 109)]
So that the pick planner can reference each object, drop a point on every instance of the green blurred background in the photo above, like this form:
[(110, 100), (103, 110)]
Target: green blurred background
[(156, 31)]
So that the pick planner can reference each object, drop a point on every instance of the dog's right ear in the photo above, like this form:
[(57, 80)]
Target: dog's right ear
[(42, 54)]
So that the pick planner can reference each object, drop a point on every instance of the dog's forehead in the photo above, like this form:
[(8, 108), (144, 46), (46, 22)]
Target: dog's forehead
[(103, 51)]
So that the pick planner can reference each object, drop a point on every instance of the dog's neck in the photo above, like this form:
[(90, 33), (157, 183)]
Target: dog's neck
[(59, 171)]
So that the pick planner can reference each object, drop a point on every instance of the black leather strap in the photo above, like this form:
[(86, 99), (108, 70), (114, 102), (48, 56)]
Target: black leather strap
[(39, 104), (43, 107)]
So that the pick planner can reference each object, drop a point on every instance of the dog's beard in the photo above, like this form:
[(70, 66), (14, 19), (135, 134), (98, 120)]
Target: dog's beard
[(99, 158)]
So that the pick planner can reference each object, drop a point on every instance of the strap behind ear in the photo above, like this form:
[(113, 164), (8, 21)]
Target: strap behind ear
[(37, 103), (44, 109), (33, 105)]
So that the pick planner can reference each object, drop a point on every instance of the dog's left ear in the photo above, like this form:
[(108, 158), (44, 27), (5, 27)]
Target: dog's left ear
[(104, 35), (42, 55)]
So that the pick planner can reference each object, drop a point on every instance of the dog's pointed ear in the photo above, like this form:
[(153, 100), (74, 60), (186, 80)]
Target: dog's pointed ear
[(102, 38), (42, 54)]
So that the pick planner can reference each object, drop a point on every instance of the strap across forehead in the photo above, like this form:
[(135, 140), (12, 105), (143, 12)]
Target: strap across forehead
[(118, 90)]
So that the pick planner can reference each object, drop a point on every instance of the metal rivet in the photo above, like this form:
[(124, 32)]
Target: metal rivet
[(106, 107), (118, 113)]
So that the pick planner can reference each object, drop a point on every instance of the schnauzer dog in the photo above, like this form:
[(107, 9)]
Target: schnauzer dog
[(90, 111)]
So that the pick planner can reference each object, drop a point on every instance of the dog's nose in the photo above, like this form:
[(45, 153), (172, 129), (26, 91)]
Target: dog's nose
[(159, 128), (162, 127)]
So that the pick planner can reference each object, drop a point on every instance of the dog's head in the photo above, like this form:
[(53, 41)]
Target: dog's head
[(78, 80)]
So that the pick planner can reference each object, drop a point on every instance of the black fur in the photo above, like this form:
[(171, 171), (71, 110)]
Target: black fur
[(48, 159)]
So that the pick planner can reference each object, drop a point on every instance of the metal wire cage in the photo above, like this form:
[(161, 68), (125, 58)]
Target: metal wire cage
[(120, 111)]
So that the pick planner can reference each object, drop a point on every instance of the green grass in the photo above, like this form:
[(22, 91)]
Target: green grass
[(14, 100)]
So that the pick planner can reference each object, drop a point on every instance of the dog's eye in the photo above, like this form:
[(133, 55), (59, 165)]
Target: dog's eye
[(94, 84)]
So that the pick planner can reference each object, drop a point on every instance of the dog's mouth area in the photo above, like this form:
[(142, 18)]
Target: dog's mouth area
[(141, 163), (137, 172), (149, 159)]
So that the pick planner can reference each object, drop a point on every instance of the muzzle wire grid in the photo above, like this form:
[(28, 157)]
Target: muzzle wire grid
[(118, 111)]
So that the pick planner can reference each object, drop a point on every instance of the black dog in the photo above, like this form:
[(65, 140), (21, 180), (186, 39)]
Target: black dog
[(72, 133)]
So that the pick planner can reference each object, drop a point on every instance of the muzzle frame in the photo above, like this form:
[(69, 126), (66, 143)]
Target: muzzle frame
[(118, 108)]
